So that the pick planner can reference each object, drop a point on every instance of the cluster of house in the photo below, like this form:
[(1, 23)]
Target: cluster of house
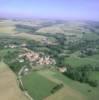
[(14, 46), (62, 69), (37, 57), (10, 46)]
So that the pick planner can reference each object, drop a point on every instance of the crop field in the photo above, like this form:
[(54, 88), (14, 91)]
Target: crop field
[(30, 36), (7, 27), (9, 89), (65, 92), (81, 88), (37, 86), (73, 90), (45, 80)]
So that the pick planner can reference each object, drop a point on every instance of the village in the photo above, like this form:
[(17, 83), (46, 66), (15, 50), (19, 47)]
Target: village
[(37, 58)]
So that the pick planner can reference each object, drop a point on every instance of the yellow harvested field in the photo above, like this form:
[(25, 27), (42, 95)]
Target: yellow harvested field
[(9, 29), (30, 36), (52, 29), (66, 93), (9, 89)]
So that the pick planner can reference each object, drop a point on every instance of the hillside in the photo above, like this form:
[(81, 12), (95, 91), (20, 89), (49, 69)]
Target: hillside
[(49, 59)]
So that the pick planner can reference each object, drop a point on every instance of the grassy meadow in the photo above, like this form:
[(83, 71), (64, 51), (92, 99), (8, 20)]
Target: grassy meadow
[(75, 61)]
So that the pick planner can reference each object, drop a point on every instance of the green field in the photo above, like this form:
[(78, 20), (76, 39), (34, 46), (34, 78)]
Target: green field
[(76, 61), (37, 86), (91, 36), (95, 76), (3, 52)]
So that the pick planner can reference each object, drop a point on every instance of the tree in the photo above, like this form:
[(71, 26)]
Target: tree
[(81, 74), (93, 83)]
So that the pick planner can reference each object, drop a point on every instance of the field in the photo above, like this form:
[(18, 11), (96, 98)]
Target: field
[(30, 36), (5, 51), (65, 92), (37, 86), (91, 36), (76, 61), (44, 80), (68, 43), (9, 89), (95, 76), (8, 28), (73, 90)]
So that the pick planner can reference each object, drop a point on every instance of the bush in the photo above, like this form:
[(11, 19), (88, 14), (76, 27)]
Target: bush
[(93, 83), (56, 88)]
